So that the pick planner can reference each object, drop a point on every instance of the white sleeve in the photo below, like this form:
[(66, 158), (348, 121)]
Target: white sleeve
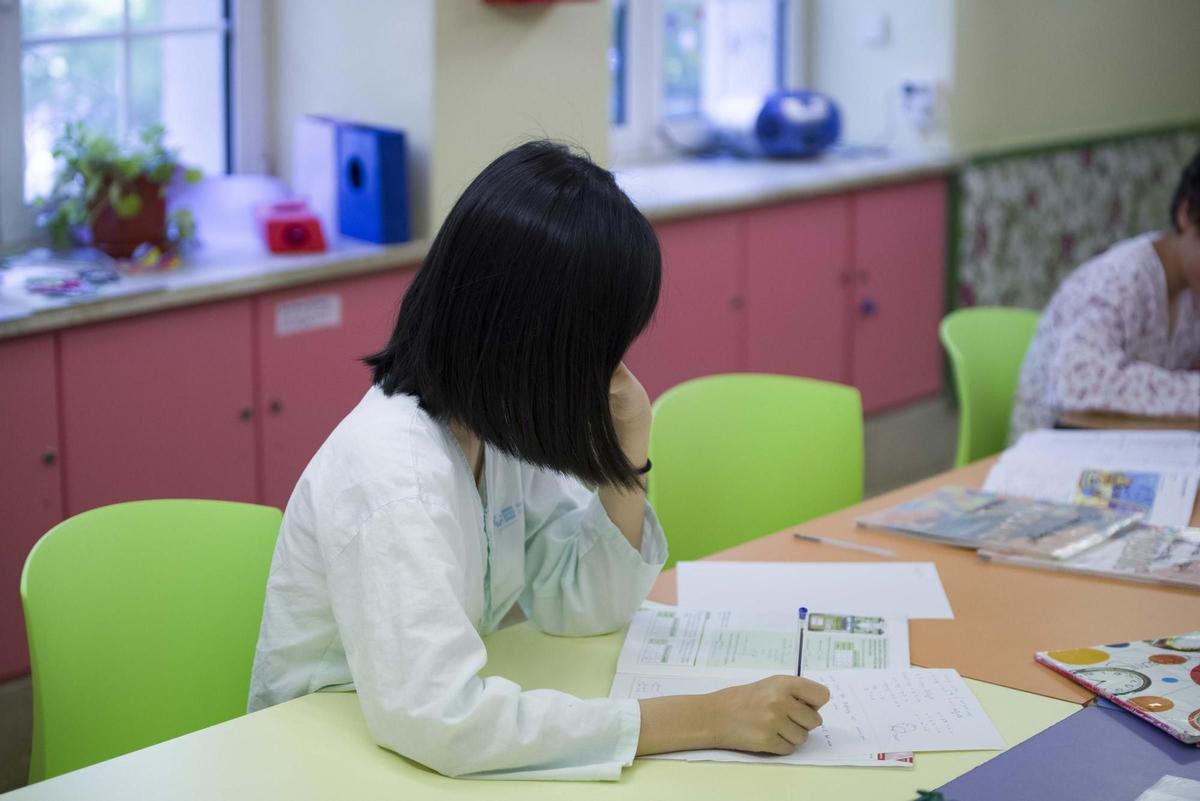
[(398, 598), (582, 577), (1091, 371)]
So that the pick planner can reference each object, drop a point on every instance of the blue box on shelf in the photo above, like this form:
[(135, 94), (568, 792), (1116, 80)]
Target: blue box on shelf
[(372, 183)]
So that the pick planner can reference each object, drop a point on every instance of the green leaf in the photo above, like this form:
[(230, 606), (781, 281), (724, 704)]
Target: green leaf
[(182, 225), (192, 175), (128, 206), (162, 173)]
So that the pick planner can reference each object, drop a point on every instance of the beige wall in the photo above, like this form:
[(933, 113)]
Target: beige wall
[(464, 79), (505, 74), (365, 60), (865, 78), (1031, 71)]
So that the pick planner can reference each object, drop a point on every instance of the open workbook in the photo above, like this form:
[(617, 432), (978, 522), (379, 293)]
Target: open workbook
[(1155, 472), (880, 709)]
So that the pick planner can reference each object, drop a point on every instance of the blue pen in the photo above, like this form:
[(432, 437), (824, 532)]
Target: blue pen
[(800, 658)]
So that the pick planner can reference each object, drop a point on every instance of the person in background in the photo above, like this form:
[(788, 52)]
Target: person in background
[(1122, 333), (499, 459)]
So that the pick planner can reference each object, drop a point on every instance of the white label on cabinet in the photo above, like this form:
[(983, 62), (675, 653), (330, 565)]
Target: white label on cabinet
[(308, 314)]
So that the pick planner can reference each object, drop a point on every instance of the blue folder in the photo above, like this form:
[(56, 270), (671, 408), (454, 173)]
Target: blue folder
[(372, 183), (1098, 753)]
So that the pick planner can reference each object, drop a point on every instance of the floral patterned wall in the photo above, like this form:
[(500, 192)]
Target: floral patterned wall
[(1026, 221)]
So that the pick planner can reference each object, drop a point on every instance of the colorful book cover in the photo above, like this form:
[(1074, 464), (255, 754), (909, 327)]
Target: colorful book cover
[(1157, 680), (977, 519), (1153, 554)]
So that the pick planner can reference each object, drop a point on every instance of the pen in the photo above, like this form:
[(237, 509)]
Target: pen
[(800, 658), (853, 546)]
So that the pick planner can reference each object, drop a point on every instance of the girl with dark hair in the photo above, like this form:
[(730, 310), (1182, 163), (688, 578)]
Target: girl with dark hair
[(499, 459), (1122, 333)]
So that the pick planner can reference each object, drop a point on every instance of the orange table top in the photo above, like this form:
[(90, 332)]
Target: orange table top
[(1003, 614)]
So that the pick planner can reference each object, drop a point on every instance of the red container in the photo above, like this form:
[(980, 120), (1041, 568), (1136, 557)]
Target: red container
[(290, 227)]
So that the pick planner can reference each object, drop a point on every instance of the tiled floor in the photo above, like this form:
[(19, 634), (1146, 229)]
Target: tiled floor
[(910, 443), (16, 718), (902, 446)]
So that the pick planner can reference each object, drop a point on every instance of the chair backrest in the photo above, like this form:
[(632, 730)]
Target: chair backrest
[(741, 455), (142, 620), (986, 347)]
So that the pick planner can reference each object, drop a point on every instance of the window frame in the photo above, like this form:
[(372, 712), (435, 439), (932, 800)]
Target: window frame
[(245, 88), (636, 141)]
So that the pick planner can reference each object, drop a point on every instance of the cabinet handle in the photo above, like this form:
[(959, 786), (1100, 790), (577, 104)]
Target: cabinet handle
[(246, 413), (868, 307), (49, 457), (275, 406), (737, 302)]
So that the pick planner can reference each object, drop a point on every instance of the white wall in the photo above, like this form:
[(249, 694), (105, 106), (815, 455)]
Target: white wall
[(865, 78), (504, 74), (365, 60)]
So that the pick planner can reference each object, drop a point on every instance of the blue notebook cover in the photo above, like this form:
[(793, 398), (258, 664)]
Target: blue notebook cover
[(1099, 754)]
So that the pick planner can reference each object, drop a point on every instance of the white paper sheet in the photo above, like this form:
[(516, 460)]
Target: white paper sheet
[(899, 589), (1159, 469), (1162, 450), (870, 712)]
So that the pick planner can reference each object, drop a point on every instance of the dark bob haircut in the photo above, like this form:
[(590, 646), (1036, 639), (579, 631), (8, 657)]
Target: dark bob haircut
[(1187, 191), (541, 276)]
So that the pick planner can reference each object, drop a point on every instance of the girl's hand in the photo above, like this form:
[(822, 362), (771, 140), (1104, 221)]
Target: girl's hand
[(772, 716), (630, 408)]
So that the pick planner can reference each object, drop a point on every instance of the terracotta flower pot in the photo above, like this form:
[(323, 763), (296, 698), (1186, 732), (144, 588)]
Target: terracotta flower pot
[(119, 238)]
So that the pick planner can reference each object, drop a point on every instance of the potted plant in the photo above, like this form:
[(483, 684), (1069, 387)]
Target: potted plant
[(117, 193)]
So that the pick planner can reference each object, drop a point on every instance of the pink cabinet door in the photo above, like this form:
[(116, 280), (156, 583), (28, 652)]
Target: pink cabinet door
[(697, 329), (159, 406), (900, 263), (310, 341), (30, 484), (796, 272)]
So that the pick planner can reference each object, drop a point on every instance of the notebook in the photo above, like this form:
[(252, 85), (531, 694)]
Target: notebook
[(1157, 680), (1100, 753), (1151, 554), (973, 518)]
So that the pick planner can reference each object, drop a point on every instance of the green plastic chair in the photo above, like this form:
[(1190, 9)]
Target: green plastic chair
[(986, 346), (142, 621), (741, 455)]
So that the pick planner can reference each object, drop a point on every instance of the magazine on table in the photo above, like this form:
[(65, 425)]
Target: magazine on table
[(974, 518), (1153, 554)]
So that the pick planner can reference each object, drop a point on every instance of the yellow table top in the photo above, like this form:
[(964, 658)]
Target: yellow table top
[(318, 747)]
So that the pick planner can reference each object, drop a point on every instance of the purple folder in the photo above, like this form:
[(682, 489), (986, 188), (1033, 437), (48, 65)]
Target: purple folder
[(1098, 753)]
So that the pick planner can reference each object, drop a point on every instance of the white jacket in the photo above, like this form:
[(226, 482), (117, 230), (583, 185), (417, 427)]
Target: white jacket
[(389, 568)]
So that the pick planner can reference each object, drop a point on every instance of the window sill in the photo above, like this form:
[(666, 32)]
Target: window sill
[(692, 187), (206, 276)]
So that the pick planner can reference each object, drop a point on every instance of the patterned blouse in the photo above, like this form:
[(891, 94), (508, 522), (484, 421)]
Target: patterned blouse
[(1103, 343)]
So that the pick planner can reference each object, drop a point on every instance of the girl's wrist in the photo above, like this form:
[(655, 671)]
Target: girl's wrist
[(635, 443)]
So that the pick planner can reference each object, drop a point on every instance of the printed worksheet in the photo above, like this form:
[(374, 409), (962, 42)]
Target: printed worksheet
[(871, 714), (684, 642)]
